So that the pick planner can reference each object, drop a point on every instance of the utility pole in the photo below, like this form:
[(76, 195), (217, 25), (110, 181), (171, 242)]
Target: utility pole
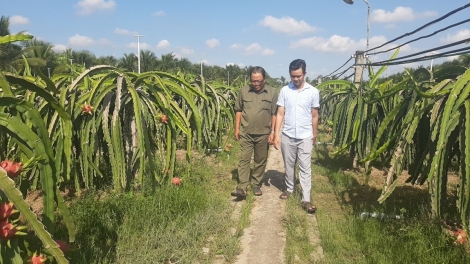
[(201, 69), (49, 72), (71, 69), (138, 52), (359, 56)]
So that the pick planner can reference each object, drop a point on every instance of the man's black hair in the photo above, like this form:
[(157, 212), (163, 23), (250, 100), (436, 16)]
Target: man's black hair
[(258, 69), (297, 64)]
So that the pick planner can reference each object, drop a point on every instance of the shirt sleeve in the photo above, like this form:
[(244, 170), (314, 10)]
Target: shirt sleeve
[(280, 100), (274, 104), (239, 102), (316, 99)]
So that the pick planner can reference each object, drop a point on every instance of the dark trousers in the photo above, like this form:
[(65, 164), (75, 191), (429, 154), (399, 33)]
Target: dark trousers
[(256, 146)]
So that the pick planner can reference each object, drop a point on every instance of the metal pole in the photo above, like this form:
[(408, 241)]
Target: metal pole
[(138, 52), (49, 72), (432, 60), (350, 2), (368, 23)]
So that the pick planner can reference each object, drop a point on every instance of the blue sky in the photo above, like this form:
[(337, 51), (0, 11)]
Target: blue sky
[(268, 33)]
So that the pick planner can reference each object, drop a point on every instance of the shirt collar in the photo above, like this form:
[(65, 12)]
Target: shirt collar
[(306, 86), (262, 91)]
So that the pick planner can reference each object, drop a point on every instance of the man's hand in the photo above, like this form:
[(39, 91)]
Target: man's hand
[(271, 139), (314, 140), (277, 142), (236, 133)]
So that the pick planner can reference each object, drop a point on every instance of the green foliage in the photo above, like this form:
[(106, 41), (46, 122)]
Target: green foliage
[(346, 237), (416, 124), (172, 224)]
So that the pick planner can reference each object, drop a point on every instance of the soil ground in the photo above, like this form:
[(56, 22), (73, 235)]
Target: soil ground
[(265, 239)]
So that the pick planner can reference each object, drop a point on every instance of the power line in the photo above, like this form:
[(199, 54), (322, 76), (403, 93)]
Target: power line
[(421, 52), (339, 67), (343, 72), (395, 60), (422, 37), (435, 56), (422, 27)]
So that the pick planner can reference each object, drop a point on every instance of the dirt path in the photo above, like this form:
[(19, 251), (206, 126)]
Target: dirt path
[(265, 239)]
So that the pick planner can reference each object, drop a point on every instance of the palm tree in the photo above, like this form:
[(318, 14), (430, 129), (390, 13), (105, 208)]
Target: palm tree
[(39, 53), (128, 62), (167, 62), (148, 61), (464, 60), (8, 52), (185, 65), (84, 57), (107, 60)]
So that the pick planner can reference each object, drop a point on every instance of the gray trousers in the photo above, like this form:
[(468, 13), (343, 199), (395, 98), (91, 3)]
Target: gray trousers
[(298, 151), (255, 146)]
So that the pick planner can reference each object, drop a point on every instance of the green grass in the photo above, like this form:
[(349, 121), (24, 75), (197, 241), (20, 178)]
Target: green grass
[(341, 195), (196, 223), (173, 224)]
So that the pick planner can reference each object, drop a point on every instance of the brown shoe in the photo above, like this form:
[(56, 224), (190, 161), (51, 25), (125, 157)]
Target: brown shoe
[(285, 195)]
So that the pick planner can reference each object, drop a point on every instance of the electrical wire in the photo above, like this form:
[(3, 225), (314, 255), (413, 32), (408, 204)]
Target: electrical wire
[(435, 56), (421, 52), (422, 37), (396, 61), (343, 72), (350, 76), (339, 67), (422, 27)]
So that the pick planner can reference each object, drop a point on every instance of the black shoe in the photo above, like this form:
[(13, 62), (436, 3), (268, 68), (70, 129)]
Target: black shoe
[(239, 193), (257, 191)]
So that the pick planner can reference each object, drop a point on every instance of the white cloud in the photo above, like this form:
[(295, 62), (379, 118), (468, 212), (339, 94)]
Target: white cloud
[(212, 43), (79, 40), (461, 35), (104, 42), (256, 48), (142, 46), (159, 13), (252, 48), (163, 44), (334, 44), (205, 62), (89, 6), (451, 58), (287, 25), (241, 65), (230, 64), (267, 52), (18, 20), (122, 31), (342, 44), (186, 51), (59, 48), (236, 46), (399, 14)]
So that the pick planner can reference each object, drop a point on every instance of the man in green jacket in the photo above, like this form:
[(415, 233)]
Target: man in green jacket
[(255, 115)]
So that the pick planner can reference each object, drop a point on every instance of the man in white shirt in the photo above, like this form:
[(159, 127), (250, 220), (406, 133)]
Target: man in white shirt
[(298, 107)]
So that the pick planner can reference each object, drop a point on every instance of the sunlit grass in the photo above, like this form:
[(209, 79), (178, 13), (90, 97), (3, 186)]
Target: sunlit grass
[(342, 195), (183, 224)]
